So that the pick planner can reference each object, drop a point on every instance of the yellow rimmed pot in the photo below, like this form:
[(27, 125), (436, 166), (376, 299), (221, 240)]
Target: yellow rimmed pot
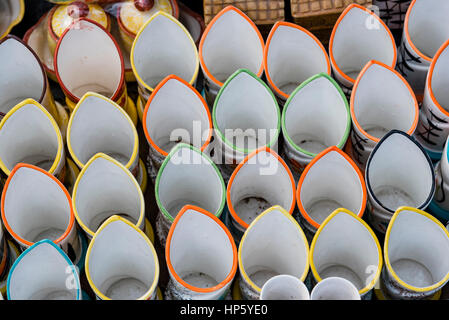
[(374, 115), (47, 212), (175, 113), (356, 254), (104, 188), (358, 37), (425, 31), (284, 287), (97, 124), (201, 257), (291, 56), (44, 272), (274, 244), (330, 181), (246, 117), (315, 117), (29, 134), (230, 42), (398, 173), (412, 270), (334, 288), (187, 176), (11, 13), (163, 47), (261, 181), (123, 267)]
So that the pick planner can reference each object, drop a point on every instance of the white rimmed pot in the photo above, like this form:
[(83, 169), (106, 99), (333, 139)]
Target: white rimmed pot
[(334, 288), (373, 114), (175, 113), (121, 263), (356, 254), (413, 270), (439, 206), (230, 42), (359, 36), (315, 117), (433, 126), (104, 188), (163, 47), (43, 272), (425, 30), (29, 134), (246, 117), (330, 181), (201, 257), (261, 181), (97, 124), (398, 173), (47, 212), (291, 56), (187, 176), (11, 13), (284, 287), (274, 244)]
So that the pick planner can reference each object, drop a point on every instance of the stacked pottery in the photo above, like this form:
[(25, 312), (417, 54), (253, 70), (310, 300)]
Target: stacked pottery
[(10, 15)]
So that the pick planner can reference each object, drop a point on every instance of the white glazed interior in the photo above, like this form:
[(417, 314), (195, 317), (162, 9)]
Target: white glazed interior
[(417, 249), (21, 74), (383, 102), (354, 44), (284, 287), (162, 48), (247, 109), (334, 288), (440, 80), (121, 268), (427, 25), (232, 43), (262, 182), (293, 57), (272, 246), (177, 114), (42, 275), (399, 173), (35, 206), (97, 125), (9, 11), (189, 178), (345, 248), (331, 183), (317, 116), (88, 60), (29, 136), (104, 190)]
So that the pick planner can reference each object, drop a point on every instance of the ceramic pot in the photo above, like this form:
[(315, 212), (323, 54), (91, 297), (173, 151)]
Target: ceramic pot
[(439, 206), (335, 288), (192, 21), (11, 14), (284, 287)]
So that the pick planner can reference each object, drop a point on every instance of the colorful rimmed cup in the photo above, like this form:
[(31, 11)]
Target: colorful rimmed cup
[(291, 56), (274, 244), (187, 176), (284, 287), (43, 272), (201, 256), (356, 254), (358, 37), (330, 181), (121, 263), (425, 30), (97, 124), (381, 101), (163, 47), (335, 288), (416, 260), (29, 134), (398, 173), (433, 127), (260, 181), (36, 206), (231, 42), (175, 113), (11, 14), (104, 188), (439, 206), (315, 117)]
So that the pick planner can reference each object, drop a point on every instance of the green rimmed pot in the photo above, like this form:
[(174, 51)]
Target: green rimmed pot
[(316, 116)]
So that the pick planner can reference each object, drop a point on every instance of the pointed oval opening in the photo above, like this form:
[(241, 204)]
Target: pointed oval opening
[(437, 82), (334, 288), (284, 287)]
